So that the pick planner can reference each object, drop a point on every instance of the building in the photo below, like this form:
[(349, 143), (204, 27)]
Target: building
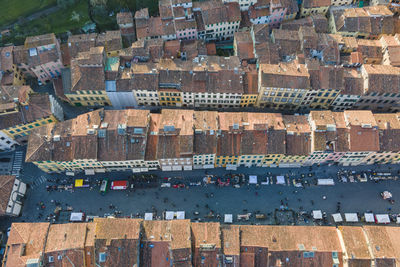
[(166, 243), (117, 242), (84, 82), (391, 48), (365, 22), (24, 246), (39, 57), (284, 85), (12, 192), (70, 244), (134, 242), (220, 20), (206, 244), (127, 27), (136, 140), (9, 73), (309, 7), (22, 110), (101, 132)]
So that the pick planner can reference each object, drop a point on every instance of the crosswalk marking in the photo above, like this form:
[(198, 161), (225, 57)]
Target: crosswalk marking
[(17, 163), (38, 181)]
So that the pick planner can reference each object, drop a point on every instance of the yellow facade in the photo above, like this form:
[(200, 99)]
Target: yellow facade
[(272, 159), (251, 160), (280, 97), (89, 98), (170, 98), (324, 98), (248, 100), (19, 78), (304, 12), (292, 159), (24, 129), (224, 160)]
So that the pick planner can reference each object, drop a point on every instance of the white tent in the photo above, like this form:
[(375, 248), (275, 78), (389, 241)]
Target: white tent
[(180, 215), (148, 216), (382, 218), (280, 179), (317, 214), (369, 217), (337, 217), (228, 218), (326, 182), (351, 217), (252, 179), (76, 217), (169, 215), (398, 219)]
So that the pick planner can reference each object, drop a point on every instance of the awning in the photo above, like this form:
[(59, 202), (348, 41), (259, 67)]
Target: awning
[(228, 218), (101, 170), (351, 217), (78, 182), (169, 215), (136, 170), (148, 216), (280, 179), (180, 215), (144, 169), (177, 168), (337, 217), (382, 218), (252, 179), (231, 167), (90, 172), (22, 188), (317, 214), (70, 173), (369, 217)]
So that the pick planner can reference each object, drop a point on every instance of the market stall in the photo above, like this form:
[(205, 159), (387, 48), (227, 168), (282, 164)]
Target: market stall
[(317, 214), (180, 215), (280, 179), (369, 217), (228, 218), (252, 179), (351, 217), (148, 216), (337, 217), (382, 218)]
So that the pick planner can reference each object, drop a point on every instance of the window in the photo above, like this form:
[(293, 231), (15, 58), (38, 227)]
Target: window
[(102, 257), (51, 259)]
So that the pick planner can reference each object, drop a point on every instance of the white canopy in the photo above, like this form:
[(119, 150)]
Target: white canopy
[(369, 217), (228, 218), (252, 179), (351, 217), (169, 215), (90, 172), (148, 216), (317, 214), (337, 217), (326, 182), (180, 215), (382, 218), (280, 179), (398, 219), (76, 217)]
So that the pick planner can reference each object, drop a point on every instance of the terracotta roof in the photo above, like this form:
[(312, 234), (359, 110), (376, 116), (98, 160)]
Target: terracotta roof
[(6, 58), (81, 43), (175, 232), (384, 242), (124, 18), (289, 41), (291, 238), (355, 242), (229, 12), (244, 45), (67, 236), (284, 75), (142, 13), (381, 78), (117, 228), (389, 131), (206, 233), (231, 239), (298, 139), (6, 186), (315, 3), (40, 40), (205, 142), (24, 244)]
